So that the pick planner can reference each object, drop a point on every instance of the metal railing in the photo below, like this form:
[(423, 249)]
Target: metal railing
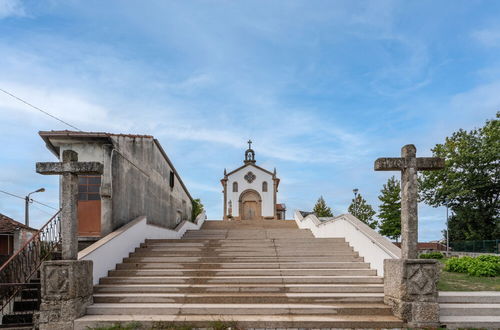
[(481, 246), (18, 271)]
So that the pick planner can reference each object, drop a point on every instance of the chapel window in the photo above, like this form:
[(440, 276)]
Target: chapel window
[(235, 186), (264, 186)]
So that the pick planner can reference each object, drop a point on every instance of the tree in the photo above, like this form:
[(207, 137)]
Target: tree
[(390, 209), (197, 208), (363, 211), (470, 182), (321, 209)]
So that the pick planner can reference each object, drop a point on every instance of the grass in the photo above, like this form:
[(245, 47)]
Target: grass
[(213, 325), (464, 282)]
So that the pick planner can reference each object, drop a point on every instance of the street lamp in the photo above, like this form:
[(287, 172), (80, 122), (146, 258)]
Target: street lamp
[(27, 201), (355, 191)]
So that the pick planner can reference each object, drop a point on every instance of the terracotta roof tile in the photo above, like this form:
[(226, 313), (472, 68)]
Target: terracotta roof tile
[(8, 225), (90, 134)]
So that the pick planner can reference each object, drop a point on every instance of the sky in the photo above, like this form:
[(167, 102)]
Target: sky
[(323, 88)]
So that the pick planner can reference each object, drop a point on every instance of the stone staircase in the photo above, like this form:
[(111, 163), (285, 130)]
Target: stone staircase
[(473, 309), (255, 274)]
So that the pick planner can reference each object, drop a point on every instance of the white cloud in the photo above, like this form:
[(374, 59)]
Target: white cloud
[(11, 8), (488, 37)]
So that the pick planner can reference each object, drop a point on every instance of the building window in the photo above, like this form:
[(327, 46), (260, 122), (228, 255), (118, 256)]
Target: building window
[(172, 179), (264, 186), (88, 187), (235, 186)]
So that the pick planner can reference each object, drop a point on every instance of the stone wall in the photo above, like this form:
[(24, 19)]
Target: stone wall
[(140, 185)]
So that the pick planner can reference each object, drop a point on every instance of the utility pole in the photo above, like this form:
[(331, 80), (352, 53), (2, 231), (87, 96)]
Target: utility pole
[(27, 201)]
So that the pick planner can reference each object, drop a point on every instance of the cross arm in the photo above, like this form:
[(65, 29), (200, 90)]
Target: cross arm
[(430, 163), (389, 164), (70, 167)]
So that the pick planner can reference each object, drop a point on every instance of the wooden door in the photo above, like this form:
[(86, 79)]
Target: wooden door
[(89, 205), (250, 210)]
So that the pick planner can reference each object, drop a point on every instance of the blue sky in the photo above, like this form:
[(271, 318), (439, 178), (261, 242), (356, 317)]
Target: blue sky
[(323, 88)]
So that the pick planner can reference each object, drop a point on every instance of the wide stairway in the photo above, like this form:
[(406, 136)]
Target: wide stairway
[(261, 274)]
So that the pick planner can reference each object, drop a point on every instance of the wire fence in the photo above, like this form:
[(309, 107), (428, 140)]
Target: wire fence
[(484, 246)]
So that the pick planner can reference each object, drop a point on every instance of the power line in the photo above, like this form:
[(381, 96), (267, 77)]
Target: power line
[(24, 198), (37, 108)]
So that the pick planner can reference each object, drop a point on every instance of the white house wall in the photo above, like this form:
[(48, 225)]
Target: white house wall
[(261, 176)]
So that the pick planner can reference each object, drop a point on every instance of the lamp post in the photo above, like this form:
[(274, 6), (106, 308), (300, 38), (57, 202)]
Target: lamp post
[(447, 233), (27, 201), (355, 191)]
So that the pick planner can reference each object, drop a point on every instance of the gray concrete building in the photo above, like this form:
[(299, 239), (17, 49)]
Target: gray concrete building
[(138, 179)]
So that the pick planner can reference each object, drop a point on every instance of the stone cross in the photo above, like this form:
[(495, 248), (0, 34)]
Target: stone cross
[(69, 168), (409, 165)]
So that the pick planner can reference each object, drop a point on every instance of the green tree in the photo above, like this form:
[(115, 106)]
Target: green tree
[(197, 208), (363, 211), (470, 183), (321, 209), (390, 209)]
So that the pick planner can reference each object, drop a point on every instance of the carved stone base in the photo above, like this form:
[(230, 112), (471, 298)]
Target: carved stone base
[(410, 288), (66, 293)]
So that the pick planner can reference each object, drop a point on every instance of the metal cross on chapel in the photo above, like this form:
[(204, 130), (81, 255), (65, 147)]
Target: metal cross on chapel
[(409, 165), (69, 168)]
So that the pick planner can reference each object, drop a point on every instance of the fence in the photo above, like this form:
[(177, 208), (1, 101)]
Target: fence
[(484, 246)]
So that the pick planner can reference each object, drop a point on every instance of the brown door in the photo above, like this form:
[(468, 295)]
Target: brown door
[(250, 210), (89, 205)]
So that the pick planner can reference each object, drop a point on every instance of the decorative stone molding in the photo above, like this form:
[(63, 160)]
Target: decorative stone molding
[(410, 288), (250, 177), (66, 293)]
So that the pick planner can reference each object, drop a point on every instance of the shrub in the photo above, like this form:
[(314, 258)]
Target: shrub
[(489, 258), (482, 268), (431, 255), (457, 265)]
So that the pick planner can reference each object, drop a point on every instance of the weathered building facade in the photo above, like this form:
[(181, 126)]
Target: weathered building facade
[(138, 179)]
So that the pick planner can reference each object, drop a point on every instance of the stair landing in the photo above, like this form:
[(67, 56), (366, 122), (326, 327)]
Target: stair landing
[(248, 274)]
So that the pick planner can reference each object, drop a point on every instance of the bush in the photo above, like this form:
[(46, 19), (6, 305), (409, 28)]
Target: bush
[(489, 258), (457, 265), (431, 255), (484, 266)]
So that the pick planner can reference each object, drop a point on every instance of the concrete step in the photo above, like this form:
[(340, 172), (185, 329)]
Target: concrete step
[(252, 254), (243, 321), (238, 298), (241, 288), (243, 265), (231, 241), (469, 297), (241, 272), (471, 322), (239, 309), (311, 279), (270, 259), (469, 309), (329, 247)]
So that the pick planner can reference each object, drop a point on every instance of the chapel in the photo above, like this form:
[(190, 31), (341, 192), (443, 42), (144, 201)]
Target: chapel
[(250, 192)]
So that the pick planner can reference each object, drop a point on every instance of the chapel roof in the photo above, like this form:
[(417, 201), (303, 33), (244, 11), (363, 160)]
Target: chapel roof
[(9, 225)]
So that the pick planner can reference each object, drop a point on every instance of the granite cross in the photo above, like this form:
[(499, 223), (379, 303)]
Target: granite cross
[(69, 168), (409, 165)]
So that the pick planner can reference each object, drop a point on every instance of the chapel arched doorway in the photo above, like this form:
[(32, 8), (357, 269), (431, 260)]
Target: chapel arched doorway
[(250, 205)]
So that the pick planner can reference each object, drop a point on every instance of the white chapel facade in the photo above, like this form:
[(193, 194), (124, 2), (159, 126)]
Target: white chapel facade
[(250, 192)]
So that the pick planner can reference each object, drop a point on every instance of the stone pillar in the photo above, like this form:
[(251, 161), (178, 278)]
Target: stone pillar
[(410, 284), (66, 293), (410, 288)]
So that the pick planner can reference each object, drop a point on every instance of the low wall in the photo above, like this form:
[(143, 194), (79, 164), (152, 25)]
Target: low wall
[(370, 245), (111, 249), (468, 254)]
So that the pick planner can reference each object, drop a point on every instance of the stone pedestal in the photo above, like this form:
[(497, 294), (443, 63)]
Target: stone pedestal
[(66, 293), (410, 288)]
